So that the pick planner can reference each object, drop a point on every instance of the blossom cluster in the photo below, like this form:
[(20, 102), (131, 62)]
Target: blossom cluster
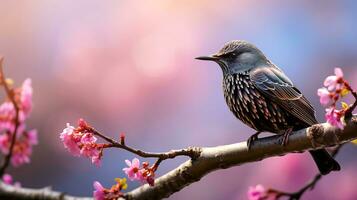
[(101, 193), (335, 87), (145, 173), (134, 171), (81, 141), (25, 139)]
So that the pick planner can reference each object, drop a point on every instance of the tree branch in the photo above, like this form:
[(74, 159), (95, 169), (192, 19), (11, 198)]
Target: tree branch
[(11, 192), (215, 158), (221, 157), (190, 152)]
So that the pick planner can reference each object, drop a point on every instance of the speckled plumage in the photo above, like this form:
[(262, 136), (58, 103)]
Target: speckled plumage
[(255, 108), (250, 106)]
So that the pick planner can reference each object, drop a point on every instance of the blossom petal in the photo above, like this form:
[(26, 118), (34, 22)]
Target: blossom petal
[(98, 193), (330, 82), (97, 185), (338, 72), (135, 163), (128, 162), (324, 95), (7, 178)]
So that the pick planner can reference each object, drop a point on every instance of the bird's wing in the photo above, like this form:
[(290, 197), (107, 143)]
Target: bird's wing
[(274, 84)]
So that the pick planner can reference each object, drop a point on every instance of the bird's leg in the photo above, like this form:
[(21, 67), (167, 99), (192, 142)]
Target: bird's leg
[(286, 136), (252, 138)]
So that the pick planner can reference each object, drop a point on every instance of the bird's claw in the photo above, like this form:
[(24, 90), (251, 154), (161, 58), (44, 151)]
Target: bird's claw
[(251, 139), (286, 136)]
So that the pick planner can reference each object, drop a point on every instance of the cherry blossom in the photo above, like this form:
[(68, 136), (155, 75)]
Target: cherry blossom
[(23, 147), (98, 193), (133, 171), (335, 89), (25, 140), (26, 96), (325, 96), (333, 117), (335, 81), (81, 142), (144, 174), (70, 140), (101, 193)]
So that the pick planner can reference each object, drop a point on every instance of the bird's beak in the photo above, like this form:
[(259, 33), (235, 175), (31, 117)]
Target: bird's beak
[(211, 57)]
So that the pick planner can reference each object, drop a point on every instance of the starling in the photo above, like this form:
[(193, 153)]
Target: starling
[(264, 98)]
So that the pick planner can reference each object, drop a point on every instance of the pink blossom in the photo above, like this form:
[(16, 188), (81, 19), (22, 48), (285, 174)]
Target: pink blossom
[(91, 151), (21, 157), (79, 143), (70, 141), (332, 82), (338, 72), (133, 171), (22, 149), (7, 113), (7, 179), (82, 123), (260, 193), (98, 193), (88, 138), (90, 148), (333, 117), (23, 146), (26, 96), (324, 95), (32, 137), (97, 160), (7, 109), (4, 143)]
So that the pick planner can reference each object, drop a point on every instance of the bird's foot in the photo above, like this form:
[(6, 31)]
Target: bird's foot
[(286, 136), (252, 138)]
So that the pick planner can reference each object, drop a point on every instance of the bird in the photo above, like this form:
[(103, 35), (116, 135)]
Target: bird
[(260, 95)]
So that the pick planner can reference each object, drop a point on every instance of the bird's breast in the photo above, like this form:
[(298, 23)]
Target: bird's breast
[(250, 106)]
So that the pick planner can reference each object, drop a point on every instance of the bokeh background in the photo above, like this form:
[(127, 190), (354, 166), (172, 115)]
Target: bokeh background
[(127, 66)]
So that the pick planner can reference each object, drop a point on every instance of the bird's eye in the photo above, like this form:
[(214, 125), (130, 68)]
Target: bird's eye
[(233, 54)]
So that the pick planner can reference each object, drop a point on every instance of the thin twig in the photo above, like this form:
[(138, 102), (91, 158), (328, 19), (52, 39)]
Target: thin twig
[(10, 95), (161, 156)]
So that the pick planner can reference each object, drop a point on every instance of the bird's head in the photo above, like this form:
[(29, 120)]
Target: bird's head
[(237, 56)]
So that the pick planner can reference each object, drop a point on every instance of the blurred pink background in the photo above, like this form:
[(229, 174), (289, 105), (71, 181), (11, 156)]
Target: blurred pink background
[(127, 66)]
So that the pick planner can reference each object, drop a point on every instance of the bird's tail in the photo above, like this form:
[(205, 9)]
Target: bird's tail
[(324, 161)]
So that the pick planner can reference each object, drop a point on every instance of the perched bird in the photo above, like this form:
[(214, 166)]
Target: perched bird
[(264, 98)]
